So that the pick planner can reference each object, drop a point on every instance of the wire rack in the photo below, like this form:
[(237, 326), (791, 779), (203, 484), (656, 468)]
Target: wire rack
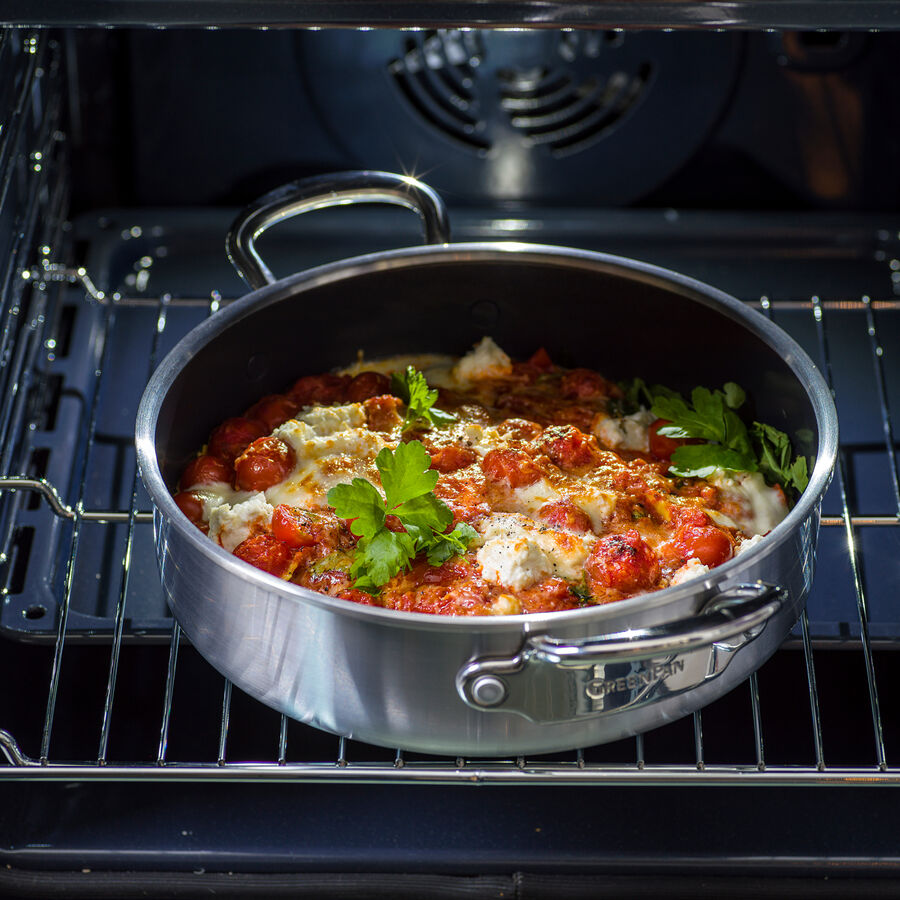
[(102, 705)]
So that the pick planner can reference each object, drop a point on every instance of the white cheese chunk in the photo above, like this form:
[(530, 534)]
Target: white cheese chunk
[(484, 360), (597, 503), (691, 569), (758, 507), (530, 499), (230, 525), (748, 544), (626, 432), (325, 420), (517, 551)]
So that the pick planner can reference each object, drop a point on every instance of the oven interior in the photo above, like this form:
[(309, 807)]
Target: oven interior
[(761, 162)]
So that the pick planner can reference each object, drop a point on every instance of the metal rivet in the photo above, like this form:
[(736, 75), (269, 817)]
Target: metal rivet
[(488, 690)]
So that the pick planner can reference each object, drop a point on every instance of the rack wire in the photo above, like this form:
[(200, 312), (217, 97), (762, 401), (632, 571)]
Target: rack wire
[(37, 279)]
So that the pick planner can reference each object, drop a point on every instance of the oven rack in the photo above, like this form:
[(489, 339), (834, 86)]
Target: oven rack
[(348, 762), (56, 315)]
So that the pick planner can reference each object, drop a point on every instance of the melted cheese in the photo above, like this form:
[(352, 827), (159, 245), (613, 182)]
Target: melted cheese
[(331, 445), (757, 508)]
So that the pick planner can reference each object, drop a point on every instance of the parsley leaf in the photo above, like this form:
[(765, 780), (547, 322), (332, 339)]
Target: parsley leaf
[(412, 388), (407, 480), (360, 502), (711, 417), (774, 449), (405, 473)]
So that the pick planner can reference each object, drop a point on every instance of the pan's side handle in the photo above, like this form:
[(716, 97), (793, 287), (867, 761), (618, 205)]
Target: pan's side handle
[(553, 680), (318, 193)]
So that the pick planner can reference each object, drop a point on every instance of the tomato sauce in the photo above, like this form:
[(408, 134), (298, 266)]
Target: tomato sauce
[(586, 522)]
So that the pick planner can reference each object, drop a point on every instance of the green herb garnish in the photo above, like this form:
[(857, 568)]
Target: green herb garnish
[(727, 443), (585, 598), (408, 483), (412, 388)]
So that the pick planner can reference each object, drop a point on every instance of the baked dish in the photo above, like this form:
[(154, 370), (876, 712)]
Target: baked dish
[(483, 486)]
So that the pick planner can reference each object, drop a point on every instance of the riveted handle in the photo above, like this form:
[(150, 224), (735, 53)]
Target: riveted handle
[(552, 680), (319, 193)]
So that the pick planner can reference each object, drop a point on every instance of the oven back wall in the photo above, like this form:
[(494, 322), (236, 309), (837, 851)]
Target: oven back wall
[(599, 119)]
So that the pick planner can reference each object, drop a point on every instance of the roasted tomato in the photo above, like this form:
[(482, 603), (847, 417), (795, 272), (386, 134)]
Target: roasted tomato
[(623, 562), (564, 515), (365, 385), (190, 505), (452, 458), (295, 527), (273, 410), (568, 447), (540, 359), (662, 447), (585, 384), (266, 552), (709, 544), (266, 462), (514, 468), (206, 469), (322, 389), (233, 436)]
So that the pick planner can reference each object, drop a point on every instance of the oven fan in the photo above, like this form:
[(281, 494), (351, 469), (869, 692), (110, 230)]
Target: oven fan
[(548, 103), (546, 116)]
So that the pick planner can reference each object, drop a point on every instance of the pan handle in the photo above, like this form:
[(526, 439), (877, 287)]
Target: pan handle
[(554, 680), (319, 193)]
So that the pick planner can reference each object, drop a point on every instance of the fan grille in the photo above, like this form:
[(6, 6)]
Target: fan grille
[(455, 86)]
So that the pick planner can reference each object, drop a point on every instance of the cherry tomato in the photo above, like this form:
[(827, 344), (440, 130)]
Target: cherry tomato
[(266, 462), (662, 447), (322, 389), (624, 562), (452, 458), (382, 412), (266, 552), (365, 385), (585, 384), (540, 359), (273, 410), (564, 515), (233, 436), (514, 468), (190, 505), (206, 469), (709, 544), (567, 446), (294, 527)]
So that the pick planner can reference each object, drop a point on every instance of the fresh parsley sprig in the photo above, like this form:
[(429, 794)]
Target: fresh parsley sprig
[(412, 388), (408, 483), (726, 442)]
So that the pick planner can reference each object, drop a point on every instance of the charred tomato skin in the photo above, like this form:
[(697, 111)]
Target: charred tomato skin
[(265, 463), (622, 562), (514, 468)]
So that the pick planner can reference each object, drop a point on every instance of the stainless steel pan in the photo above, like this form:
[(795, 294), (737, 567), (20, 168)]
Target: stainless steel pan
[(494, 685)]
